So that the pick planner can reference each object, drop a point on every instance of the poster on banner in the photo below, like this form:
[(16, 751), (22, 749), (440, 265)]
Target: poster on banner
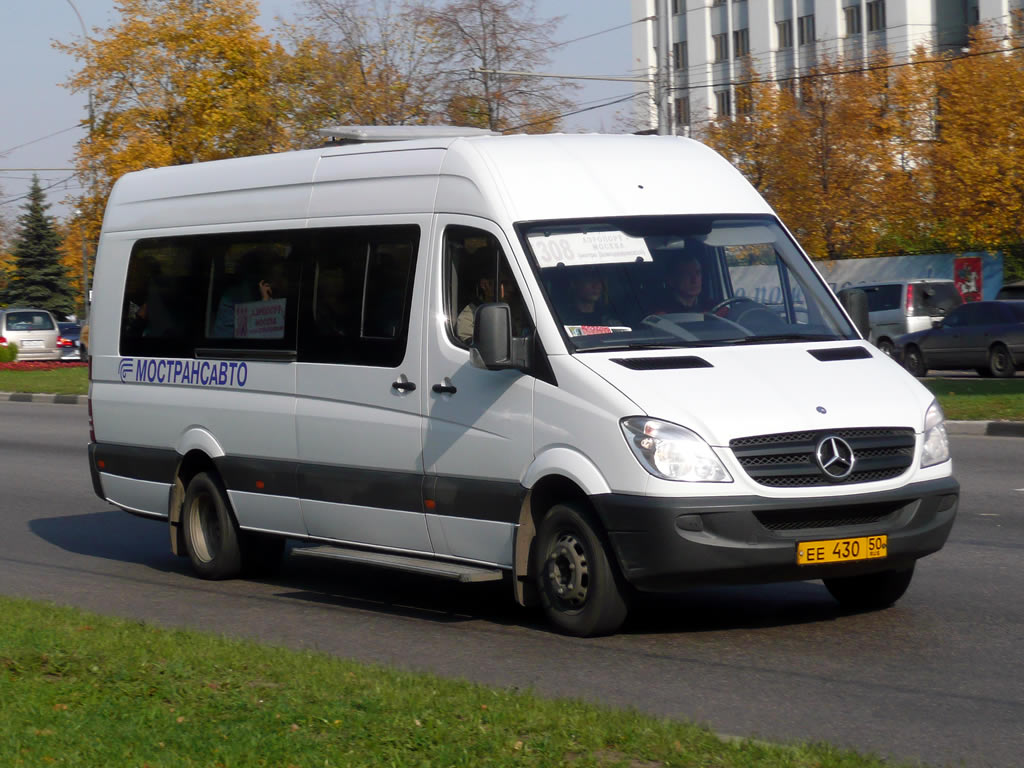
[(967, 276), (260, 319)]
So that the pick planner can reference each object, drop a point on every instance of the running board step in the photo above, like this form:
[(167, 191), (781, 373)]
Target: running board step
[(427, 566)]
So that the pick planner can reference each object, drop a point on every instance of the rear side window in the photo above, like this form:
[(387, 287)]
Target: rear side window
[(211, 295), (883, 297), (29, 321), (935, 298)]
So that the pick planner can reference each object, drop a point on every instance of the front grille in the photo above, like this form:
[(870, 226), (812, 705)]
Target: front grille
[(787, 460), (835, 517)]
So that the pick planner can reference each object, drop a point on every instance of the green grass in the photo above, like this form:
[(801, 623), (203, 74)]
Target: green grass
[(70, 380), (986, 399), (83, 690)]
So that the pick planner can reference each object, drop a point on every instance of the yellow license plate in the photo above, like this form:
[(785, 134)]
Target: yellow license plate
[(841, 550)]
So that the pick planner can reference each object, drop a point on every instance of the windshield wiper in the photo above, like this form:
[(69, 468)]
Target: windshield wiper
[(642, 345), (783, 337)]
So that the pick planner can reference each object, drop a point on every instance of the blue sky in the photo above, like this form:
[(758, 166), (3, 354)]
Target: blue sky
[(36, 106)]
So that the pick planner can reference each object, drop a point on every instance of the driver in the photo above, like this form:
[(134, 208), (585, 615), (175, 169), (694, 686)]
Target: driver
[(685, 283)]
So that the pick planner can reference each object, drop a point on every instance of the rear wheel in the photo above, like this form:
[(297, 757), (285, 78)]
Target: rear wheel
[(914, 362), (211, 536), (872, 591), (887, 347), (575, 578), (1000, 363)]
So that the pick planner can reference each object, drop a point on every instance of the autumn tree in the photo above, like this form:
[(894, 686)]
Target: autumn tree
[(38, 279), (363, 63), (175, 81), (489, 49), (977, 158)]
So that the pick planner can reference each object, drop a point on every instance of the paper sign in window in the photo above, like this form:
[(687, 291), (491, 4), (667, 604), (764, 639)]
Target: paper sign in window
[(260, 319), (579, 248)]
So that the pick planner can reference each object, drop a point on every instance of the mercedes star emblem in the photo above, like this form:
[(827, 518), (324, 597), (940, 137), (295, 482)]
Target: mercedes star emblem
[(835, 457)]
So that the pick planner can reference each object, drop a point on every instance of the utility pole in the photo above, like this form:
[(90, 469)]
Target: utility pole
[(663, 78)]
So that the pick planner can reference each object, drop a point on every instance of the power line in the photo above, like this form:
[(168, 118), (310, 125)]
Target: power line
[(603, 31), (577, 112), (42, 189), (41, 138)]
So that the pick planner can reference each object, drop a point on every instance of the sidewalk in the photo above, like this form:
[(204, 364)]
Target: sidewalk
[(988, 428)]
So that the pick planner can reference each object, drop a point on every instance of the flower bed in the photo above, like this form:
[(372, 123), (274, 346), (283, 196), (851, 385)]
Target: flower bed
[(40, 365)]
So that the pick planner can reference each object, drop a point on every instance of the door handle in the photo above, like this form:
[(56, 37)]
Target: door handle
[(445, 387), (402, 384)]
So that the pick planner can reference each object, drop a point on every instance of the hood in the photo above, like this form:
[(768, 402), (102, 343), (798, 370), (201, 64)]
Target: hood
[(751, 390)]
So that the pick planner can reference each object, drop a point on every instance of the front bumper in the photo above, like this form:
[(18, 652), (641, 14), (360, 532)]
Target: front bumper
[(666, 544)]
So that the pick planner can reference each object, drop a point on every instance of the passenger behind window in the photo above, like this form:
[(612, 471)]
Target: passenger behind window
[(337, 312), (587, 302), (483, 293), (264, 277)]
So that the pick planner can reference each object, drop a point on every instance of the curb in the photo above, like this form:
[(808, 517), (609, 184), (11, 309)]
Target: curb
[(985, 428), (26, 397)]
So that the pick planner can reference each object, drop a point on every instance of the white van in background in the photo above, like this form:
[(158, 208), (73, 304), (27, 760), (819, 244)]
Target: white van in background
[(587, 364)]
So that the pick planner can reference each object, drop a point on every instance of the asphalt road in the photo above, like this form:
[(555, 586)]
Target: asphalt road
[(937, 678)]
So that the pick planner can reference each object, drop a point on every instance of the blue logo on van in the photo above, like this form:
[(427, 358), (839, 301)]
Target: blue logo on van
[(202, 373), (124, 368)]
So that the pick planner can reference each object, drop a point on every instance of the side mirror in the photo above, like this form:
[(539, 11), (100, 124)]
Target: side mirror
[(494, 347), (492, 337), (855, 302)]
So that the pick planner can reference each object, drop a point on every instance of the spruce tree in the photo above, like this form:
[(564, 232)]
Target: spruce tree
[(39, 279)]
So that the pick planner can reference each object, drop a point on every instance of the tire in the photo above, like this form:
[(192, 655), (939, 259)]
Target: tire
[(575, 579), (914, 362), (887, 347), (985, 373), (1000, 362), (210, 533), (872, 591)]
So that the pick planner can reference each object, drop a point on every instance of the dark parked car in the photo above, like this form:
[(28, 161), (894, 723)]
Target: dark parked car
[(69, 341), (987, 336)]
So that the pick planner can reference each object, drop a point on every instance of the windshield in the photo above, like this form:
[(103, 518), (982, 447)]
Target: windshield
[(678, 281)]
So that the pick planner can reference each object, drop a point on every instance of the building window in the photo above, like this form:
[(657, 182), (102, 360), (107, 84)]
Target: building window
[(876, 15), (677, 7), (805, 29), (740, 42), (715, 3), (784, 32), (852, 20), (722, 104), (679, 54), (683, 111), (721, 47)]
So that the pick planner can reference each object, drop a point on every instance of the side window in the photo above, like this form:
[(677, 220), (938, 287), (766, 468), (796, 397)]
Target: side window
[(359, 295), (164, 298), (476, 272), (232, 292)]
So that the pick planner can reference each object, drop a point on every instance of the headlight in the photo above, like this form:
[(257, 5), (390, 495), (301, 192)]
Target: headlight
[(936, 443), (673, 452)]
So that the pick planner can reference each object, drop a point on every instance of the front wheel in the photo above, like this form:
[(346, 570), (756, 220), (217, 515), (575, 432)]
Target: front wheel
[(211, 536), (887, 347), (575, 578), (872, 591), (1000, 363), (913, 361)]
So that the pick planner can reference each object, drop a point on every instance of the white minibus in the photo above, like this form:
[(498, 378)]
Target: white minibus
[(589, 365)]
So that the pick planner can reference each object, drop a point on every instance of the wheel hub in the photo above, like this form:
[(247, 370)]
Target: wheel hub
[(568, 572)]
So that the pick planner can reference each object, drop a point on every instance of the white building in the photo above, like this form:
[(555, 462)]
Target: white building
[(712, 42)]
